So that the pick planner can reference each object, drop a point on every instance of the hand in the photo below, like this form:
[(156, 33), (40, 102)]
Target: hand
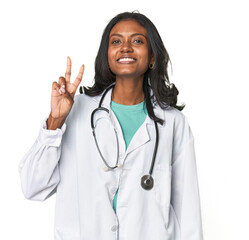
[(62, 96)]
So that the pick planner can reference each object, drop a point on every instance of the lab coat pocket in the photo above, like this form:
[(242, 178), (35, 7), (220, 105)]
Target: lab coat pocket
[(163, 190)]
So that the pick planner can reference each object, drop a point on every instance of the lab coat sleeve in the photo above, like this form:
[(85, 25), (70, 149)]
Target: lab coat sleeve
[(38, 169), (185, 193)]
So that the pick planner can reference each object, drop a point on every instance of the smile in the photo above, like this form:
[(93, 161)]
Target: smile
[(126, 60)]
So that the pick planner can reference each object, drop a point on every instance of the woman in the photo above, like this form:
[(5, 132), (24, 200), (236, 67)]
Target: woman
[(106, 185)]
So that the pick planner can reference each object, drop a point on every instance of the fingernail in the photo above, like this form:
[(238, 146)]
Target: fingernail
[(63, 90), (63, 86), (59, 91)]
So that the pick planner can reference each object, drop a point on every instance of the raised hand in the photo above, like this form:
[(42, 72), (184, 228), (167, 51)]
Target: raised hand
[(62, 97)]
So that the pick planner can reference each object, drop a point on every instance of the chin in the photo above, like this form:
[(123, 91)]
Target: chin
[(126, 74)]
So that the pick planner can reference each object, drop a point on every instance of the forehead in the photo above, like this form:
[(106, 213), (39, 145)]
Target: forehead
[(128, 27)]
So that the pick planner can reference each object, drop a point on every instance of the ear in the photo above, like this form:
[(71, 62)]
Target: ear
[(152, 60)]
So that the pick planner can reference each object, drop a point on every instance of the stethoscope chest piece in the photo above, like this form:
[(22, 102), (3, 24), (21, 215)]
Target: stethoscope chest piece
[(147, 182)]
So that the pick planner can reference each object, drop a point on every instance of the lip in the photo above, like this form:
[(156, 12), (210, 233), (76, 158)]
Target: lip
[(126, 59)]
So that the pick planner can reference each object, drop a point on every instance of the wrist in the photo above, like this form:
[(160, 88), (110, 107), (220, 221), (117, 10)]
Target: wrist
[(54, 123)]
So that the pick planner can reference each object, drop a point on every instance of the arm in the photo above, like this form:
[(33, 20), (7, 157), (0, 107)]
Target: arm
[(185, 192), (38, 169)]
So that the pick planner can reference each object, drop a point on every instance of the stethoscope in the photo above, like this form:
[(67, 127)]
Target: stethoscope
[(147, 181)]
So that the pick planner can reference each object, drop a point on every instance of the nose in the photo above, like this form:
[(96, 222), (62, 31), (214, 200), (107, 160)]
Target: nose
[(126, 47)]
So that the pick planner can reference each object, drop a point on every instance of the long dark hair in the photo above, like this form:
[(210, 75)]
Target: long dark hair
[(156, 78)]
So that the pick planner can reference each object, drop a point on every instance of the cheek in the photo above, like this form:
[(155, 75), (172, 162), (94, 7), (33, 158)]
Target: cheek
[(144, 55), (109, 54), (111, 57)]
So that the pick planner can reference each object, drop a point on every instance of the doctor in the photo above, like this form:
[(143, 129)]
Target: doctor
[(95, 161)]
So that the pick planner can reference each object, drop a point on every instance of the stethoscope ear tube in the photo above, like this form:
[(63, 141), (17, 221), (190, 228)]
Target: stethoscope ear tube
[(95, 110), (108, 167), (107, 89)]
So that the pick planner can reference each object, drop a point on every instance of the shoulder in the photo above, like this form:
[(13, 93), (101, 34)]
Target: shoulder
[(83, 98), (174, 114), (179, 123), (83, 104), (88, 102)]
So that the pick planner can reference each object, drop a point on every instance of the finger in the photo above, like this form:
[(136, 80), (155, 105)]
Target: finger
[(55, 88), (60, 87), (79, 77), (68, 71), (62, 81)]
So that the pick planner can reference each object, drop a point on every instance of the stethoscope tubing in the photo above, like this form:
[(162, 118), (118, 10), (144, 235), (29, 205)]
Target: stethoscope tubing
[(155, 150), (147, 181)]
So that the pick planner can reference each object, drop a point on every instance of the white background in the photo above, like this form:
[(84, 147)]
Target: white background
[(208, 45)]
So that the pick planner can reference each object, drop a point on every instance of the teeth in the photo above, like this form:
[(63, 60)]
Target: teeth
[(126, 60)]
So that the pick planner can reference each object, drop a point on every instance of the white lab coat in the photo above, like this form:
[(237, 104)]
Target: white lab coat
[(66, 161)]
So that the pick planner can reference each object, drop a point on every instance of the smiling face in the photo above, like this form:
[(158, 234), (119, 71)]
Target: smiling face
[(129, 53)]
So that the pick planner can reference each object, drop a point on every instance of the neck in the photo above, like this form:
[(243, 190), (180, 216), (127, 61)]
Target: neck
[(128, 91)]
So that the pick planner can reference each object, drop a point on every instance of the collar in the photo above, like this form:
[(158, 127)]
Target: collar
[(159, 112)]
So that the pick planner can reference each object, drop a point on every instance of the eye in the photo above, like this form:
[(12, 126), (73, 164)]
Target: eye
[(116, 41), (138, 41)]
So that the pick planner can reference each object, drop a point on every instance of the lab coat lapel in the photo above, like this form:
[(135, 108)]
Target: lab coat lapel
[(142, 135)]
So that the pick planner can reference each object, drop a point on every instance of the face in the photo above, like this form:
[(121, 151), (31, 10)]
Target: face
[(129, 53)]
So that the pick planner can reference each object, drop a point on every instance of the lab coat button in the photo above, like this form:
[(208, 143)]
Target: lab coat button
[(114, 228), (120, 165)]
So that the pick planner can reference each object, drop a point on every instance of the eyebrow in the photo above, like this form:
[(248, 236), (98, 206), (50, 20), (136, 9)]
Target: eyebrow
[(133, 35)]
